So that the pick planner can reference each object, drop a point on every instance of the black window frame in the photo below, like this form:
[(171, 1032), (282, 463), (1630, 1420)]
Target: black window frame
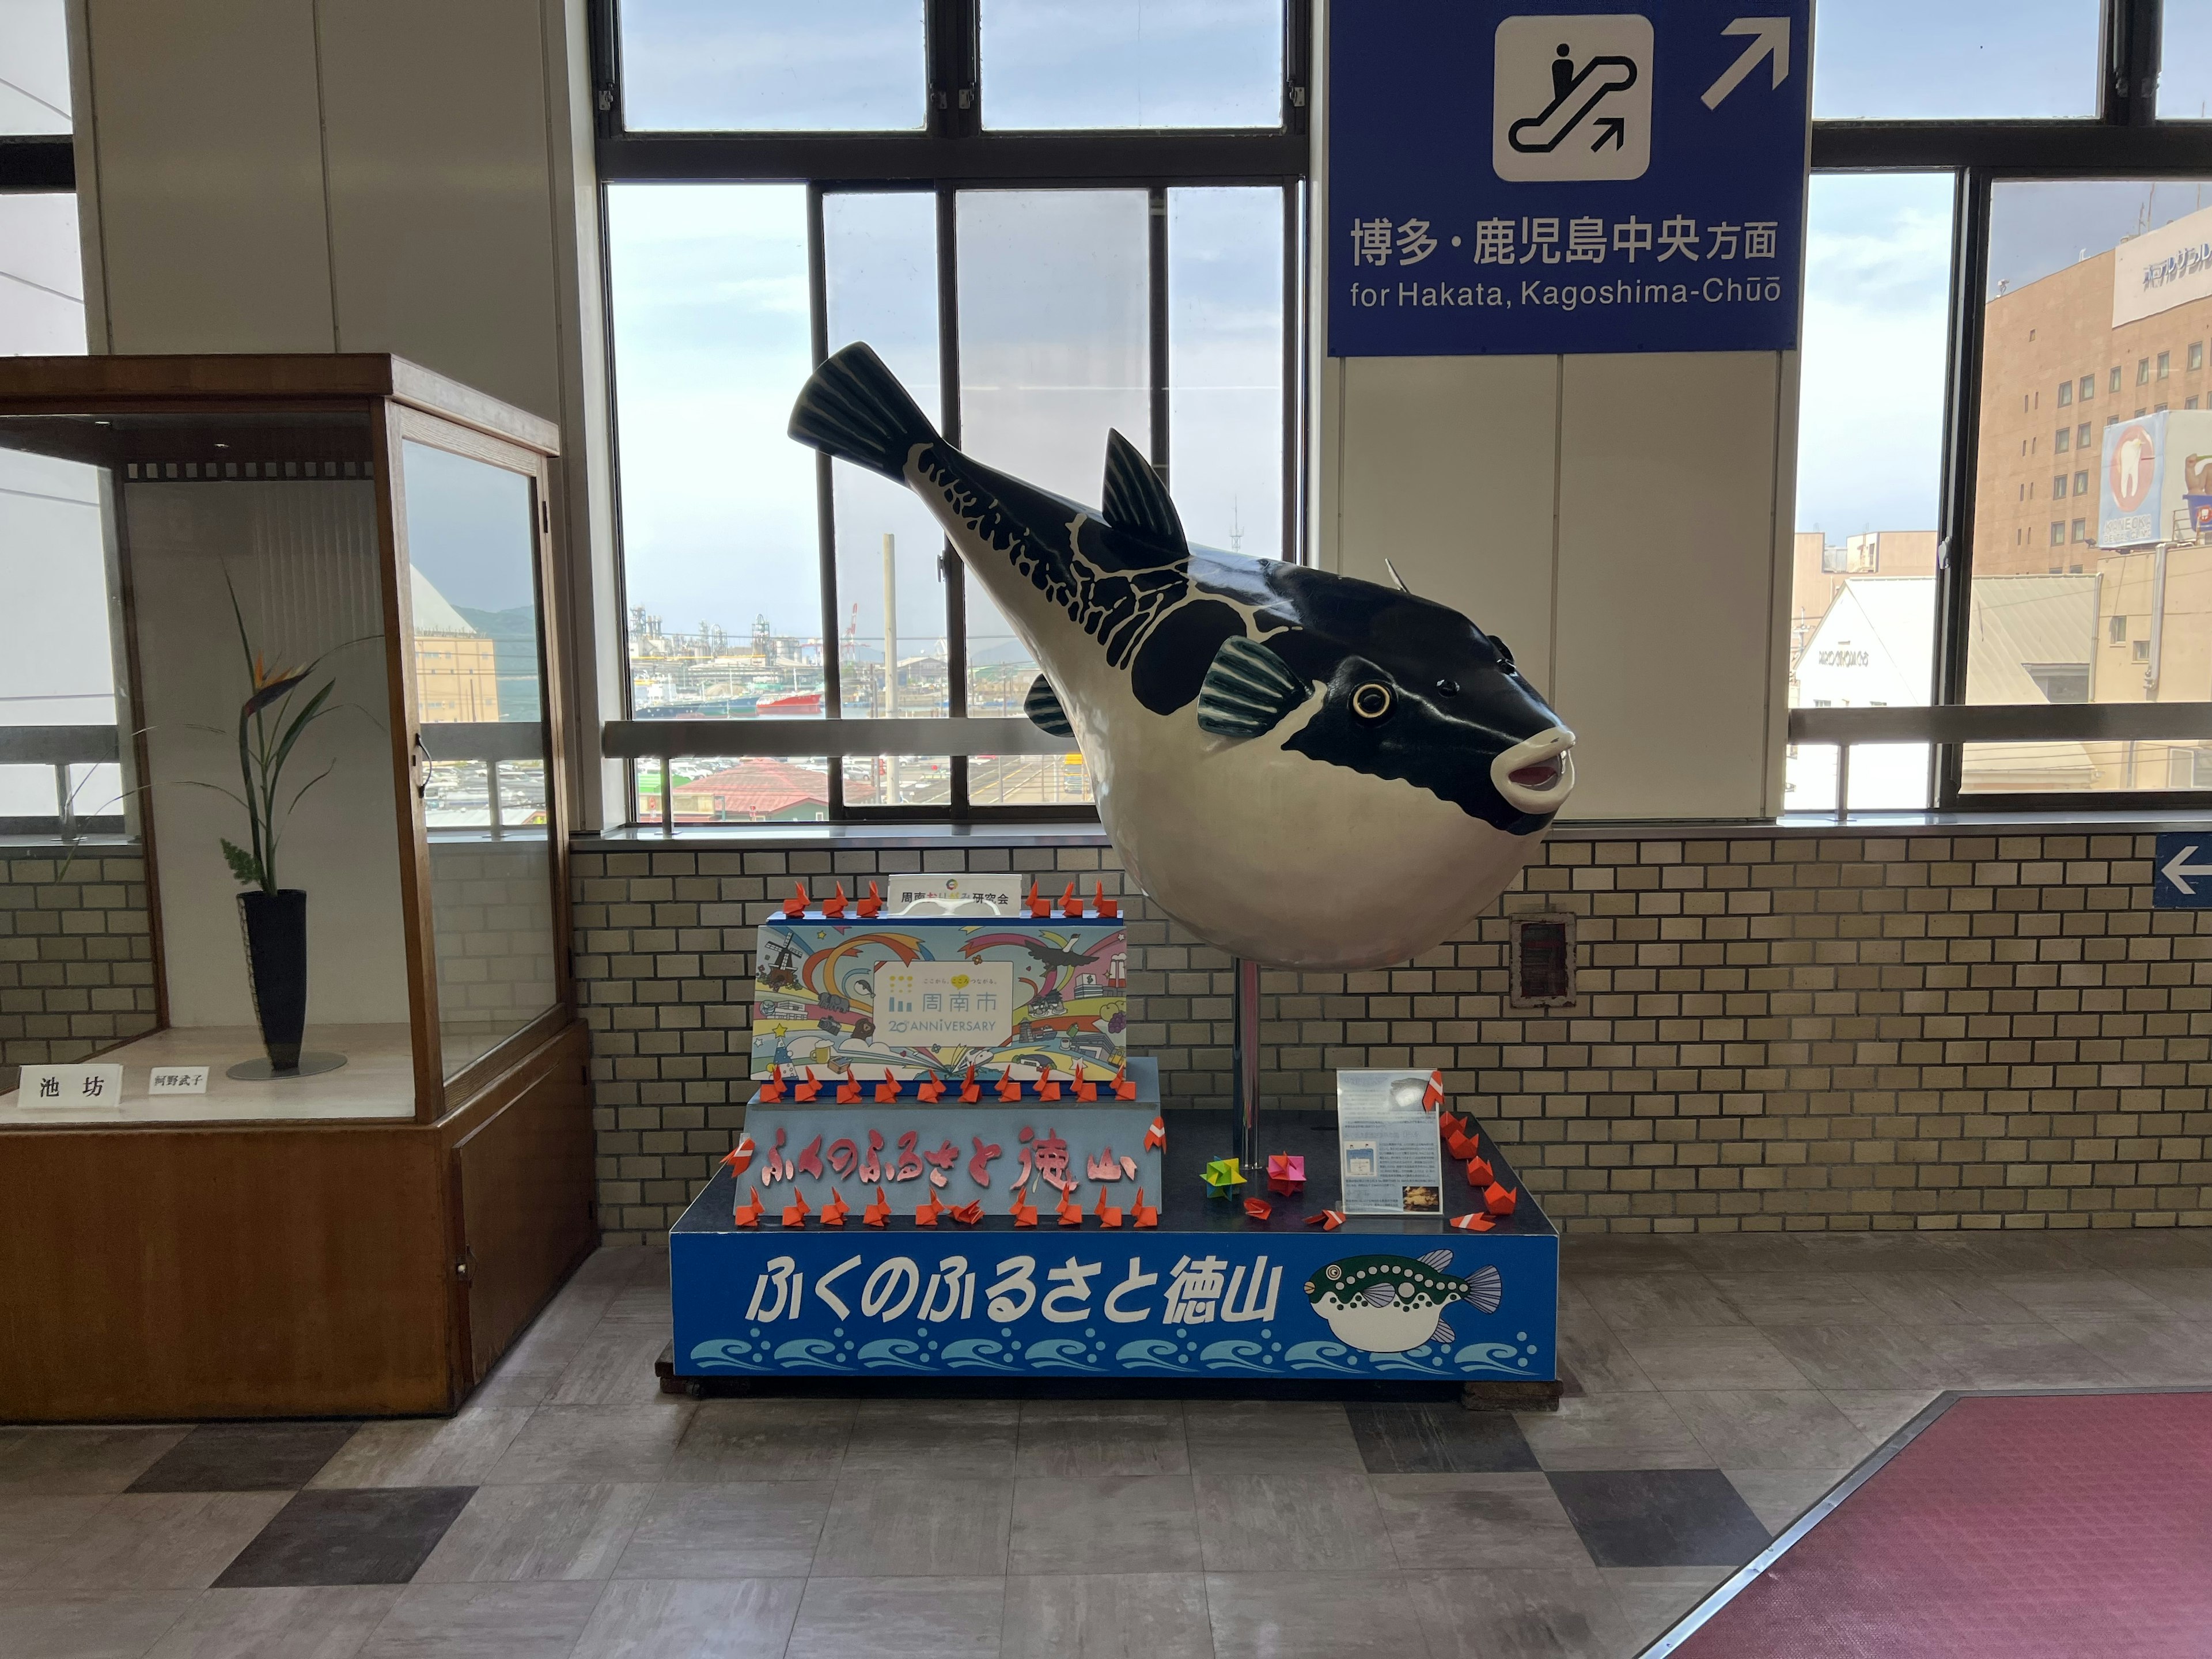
[(2124, 139), (952, 153)]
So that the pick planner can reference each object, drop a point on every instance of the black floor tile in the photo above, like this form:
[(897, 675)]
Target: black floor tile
[(1660, 1517), (245, 1457), (1407, 1439), (348, 1537)]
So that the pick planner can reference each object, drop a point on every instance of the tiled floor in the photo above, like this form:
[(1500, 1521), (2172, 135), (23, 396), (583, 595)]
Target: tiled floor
[(1720, 1386)]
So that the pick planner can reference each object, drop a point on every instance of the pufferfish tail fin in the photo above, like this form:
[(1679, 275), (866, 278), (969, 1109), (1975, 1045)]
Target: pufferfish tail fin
[(855, 408), (1484, 1292)]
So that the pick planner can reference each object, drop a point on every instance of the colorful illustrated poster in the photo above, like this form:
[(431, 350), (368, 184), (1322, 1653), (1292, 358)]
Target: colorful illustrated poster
[(1393, 1159), (928, 996)]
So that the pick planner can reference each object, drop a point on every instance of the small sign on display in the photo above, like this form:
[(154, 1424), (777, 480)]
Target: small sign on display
[(1393, 1161), (73, 1087), (2181, 872)]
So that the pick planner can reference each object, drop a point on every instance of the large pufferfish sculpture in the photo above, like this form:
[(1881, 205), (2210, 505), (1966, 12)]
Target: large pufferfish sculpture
[(1306, 769)]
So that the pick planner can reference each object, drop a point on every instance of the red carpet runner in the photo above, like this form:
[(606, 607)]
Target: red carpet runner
[(2052, 1525)]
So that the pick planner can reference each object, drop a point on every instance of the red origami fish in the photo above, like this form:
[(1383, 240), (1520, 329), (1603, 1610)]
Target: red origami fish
[(748, 1214), (1258, 1208), (1327, 1220), (739, 1158), (1433, 1096), (1157, 1136), (1473, 1222)]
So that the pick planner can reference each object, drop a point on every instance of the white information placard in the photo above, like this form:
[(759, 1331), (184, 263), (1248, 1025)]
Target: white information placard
[(946, 1005), (1393, 1157), (71, 1086), (177, 1080), (937, 895)]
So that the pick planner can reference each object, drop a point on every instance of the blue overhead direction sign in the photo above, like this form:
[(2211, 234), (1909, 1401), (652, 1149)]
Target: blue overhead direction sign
[(2181, 873), (1612, 175)]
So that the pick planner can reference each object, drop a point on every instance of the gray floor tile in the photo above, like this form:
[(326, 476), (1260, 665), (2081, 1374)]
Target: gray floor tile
[(2179, 1290), (1291, 1522), (1772, 1428), (765, 1440), (430, 1451), (613, 1367), (245, 1457), (645, 1304), (2124, 1248), (1711, 1356), (1778, 1497), (1613, 1431), (1525, 1614), (1742, 1252), (1267, 1437), (508, 1533), (1656, 1599), (2013, 1357), (1862, 1356), (2077, 1289), (329, 1623), (1906, 1298), (161, 1540), (80, 1461), (1480, 1523), (913, 1436), (703, 1618), (1880, 1412), (1584, 1253), (1595, 1356), (744, 1529), (2160, 1350), (50, 1623), (588, 1443), (899, 1619), (1795, 1298), (922, 1526), (1087, 1615), (1112, 1524), (1437, 1439), (523, 1378), (1297, 1615), (33, 1528), (1643, 1302), (485, 1621), (1660, 1517), (378, 1536), (1079, 1437)]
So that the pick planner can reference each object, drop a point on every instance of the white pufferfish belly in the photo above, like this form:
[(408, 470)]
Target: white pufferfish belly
[(1382, 1330)]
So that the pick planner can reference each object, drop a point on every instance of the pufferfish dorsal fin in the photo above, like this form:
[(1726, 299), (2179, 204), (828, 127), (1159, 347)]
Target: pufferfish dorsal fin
[(1247, 691), (1136, 500), (1439, 1259), (1043, 707)]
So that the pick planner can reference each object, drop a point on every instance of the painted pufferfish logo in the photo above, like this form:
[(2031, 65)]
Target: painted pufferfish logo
[(1388, 1304)]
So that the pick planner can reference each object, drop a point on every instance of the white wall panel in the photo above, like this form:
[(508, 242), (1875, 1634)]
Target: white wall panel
[(1668, 562), (440, 194), (1446, 470), (210, 175)]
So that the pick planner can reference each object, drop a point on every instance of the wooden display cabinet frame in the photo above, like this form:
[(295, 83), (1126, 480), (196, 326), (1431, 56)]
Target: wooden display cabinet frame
[(340, 1267)]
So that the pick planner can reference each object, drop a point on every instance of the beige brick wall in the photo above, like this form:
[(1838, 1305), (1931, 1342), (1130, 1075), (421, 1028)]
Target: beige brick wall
[(76, 958), (1775, 1031)]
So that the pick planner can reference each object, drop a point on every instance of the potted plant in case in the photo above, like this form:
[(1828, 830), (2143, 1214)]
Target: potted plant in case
[(274, 918)]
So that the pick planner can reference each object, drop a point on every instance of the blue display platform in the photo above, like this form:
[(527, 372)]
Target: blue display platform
[(1210, 1296)]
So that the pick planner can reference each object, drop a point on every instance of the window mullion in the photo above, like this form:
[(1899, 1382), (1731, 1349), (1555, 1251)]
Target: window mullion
[(1156, 272), (1970, 233), (948, 380), (825, 516)]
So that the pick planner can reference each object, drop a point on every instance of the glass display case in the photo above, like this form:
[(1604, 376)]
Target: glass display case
[(278, 810)]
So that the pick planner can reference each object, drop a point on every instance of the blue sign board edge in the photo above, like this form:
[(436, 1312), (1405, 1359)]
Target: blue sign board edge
[(2181, 870)]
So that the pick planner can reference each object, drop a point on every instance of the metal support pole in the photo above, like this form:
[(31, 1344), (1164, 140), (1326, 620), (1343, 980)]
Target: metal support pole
[(1250, 1159)]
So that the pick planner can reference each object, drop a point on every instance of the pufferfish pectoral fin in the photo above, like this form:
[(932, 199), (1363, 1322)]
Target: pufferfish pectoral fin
[(1043, 707), (1247, 691)]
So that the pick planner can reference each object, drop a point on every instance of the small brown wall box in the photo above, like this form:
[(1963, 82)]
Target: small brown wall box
[(302, 1124), (1542, 959)]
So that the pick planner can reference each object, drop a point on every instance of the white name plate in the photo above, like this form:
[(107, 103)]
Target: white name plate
[(177, 1080), (57, 1086)]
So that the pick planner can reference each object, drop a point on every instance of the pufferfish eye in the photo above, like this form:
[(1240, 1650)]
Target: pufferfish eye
[(1448, 687), (1371, 702), (1505, 652)]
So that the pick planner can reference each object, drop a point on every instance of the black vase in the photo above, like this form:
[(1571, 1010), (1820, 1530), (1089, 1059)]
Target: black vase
[(276, 955)]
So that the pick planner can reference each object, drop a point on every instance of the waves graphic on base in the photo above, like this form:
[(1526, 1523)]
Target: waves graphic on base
[(1158, 1353), (817, 1352), (980, 1353), (1498, 1356), (895, 1353), (1236, 1356), (1061, 1353), (728, 1353), (1324, 1357)]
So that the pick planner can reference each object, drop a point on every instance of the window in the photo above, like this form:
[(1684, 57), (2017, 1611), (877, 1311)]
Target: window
[(2080, 484), (968, 211), (2058, 487), (2088, 387), (2142, 371), (2058, 533), (2060, 440), (2065, 393), (1971, 58), (2082, 435), (2116, 377), (2185, 80), (2196, 356), (2116, 629), (2165, 364)]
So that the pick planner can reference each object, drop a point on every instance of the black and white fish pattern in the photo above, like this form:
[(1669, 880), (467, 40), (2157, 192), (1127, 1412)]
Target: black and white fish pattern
[(1303, 768)]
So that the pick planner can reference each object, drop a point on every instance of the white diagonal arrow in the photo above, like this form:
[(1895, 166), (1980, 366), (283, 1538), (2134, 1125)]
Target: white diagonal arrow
[(2178, 869), (1771, 37)]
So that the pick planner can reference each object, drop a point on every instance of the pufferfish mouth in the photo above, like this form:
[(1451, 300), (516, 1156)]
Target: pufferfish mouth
[(1537, 774)]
